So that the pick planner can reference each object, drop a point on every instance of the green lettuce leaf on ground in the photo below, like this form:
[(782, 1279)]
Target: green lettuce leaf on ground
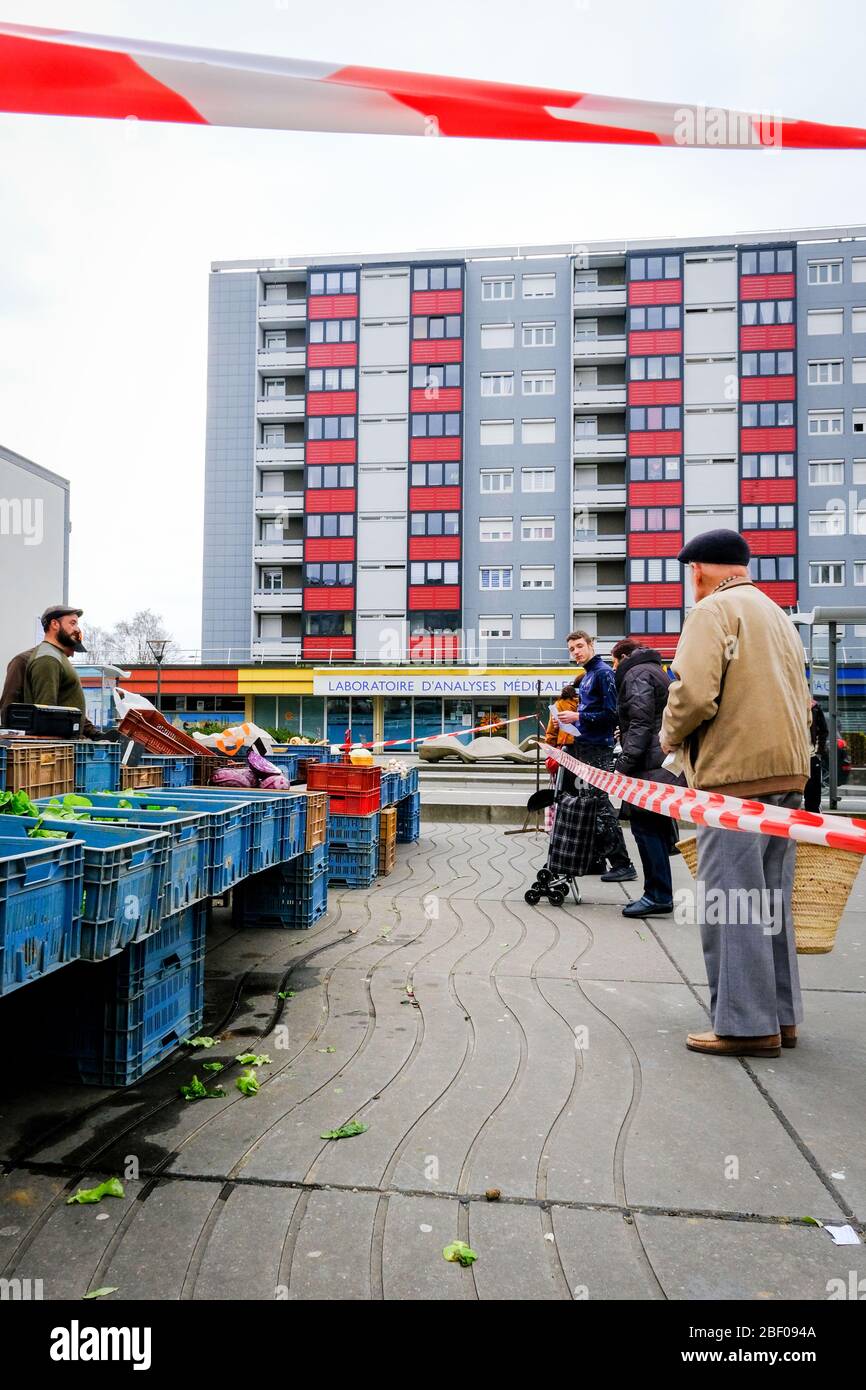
[(248, 1083), (254, 1059), (111, 1188), (458, 1252), (347, 1131), (196, 1090), (201, 1041)]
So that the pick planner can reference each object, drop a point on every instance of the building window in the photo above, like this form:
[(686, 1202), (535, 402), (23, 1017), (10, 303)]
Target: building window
[(654, 368), (538, 383), (330, 524), (495, 628), (497, 383), (860, 572), (537, 528), (654, 268), (831, 575), (827, 523), (537, 431), (331, 379), (496, 528), (436, 326), (858, 421), (537, 627), (333, 331), (655, 469), (334, 282), (768, 518), (655, 571), (274, 436), (779, 262), (538, 480), (858, 320), (272, 580), (827, 373), (435, 376), (654, 417), (654, 317), (820, 322), (825, 422), (537, 576), (539, 286), (436, 426), (655, 519), (497, 431), (539, 334), (331, 475), (826, 472), (434, 572), (437, 277), (771, 569), (276, 294), (497, 287), (825, 273), (435, 474), (494, 577), (331, 427), (767, 414), (767, 364), (326, 575), (654, 620), (858, 471), (497, 335), (768, 311), (497, 480), (434, 524)]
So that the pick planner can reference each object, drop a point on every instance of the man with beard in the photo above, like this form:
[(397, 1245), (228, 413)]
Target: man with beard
[(45, 675)]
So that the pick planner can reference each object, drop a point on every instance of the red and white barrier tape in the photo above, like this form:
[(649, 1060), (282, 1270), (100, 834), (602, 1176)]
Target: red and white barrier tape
[(428, 738), (722, 812)]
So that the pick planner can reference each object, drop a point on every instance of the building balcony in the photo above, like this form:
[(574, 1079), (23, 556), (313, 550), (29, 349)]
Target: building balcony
[(600, 499), (278, 552), (277, 601), (600, 397), (290, 311), (279, 503), (610, 349), (277, 648), (280, 407), (595, 547), (272, 456), (281, 359), (606, 596), (603, 446), (596, 297)]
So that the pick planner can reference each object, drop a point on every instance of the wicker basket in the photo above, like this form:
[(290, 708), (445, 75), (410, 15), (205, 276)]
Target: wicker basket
[(823, 879)]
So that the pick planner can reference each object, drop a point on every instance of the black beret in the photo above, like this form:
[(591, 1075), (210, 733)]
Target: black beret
[(716, 548)]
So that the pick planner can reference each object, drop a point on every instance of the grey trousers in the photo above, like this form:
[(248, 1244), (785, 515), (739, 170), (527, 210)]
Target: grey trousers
[(744, 884)]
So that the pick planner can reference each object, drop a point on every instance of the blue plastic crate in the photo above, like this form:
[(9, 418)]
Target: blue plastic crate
[(229, 825), (391, 782), (179, 941), (310, 860), (124, 881), (282, 830), (187, 874), (97, 767), (409, 819), (177, 771), (355, 867), (281, 898), (354, 832), (3, 767), (286, 759), (408, 785), (41, 887)]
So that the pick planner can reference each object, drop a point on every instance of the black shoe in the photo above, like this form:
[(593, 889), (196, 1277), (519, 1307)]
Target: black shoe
[(623, 874), (645, 907)]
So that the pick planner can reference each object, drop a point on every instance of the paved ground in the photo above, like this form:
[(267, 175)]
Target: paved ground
[(544, 1056)]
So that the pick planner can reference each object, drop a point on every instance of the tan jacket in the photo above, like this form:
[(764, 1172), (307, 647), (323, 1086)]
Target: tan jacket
[(740, 706)]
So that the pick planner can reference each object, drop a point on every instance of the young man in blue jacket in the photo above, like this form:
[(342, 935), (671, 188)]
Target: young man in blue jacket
[(595, 720)]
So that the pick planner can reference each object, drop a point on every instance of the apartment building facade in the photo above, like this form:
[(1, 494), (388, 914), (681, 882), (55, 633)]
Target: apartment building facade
[(436, 457)]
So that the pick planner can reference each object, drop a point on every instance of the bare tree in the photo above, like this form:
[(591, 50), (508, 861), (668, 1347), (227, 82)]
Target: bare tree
[(127, 641)]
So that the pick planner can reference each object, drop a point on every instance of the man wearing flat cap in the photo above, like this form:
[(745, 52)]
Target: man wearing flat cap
[(45, 675), (739, 712)]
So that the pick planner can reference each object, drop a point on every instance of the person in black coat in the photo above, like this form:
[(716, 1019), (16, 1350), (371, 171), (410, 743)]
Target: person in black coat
[(642, 691)]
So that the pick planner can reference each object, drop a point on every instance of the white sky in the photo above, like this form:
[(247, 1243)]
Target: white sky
[(107, 229)]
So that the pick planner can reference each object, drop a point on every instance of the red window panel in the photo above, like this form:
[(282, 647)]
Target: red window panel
[(421, 450), (434, 547), (655, 494), (767, 286), (434, 648), (329, 646), (655, 392), (783, 592), (437, 301), (332, 402), (336, 600), (434, 499), (663, 642), (332, 306), (330, 451), (332, 354), (329, 499), (771, 542), (329, 548), (769, 440), (654, 340), (642, 442), (437, 350), (768, 490), (655, 544), (655, 292), (441, 398), (438, 598), (767, 336), (655, 595), (768, 388)]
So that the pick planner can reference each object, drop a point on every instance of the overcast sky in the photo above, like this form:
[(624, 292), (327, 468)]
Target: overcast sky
[(108, 228)]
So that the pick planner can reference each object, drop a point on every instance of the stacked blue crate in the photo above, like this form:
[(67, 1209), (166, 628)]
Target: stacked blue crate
[(409, 819), (292, 895), (97, 766), (41, 890), (177, 770)]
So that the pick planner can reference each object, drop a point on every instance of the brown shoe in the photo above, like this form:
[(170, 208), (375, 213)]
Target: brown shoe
[(734, 1047), (789, 1034)]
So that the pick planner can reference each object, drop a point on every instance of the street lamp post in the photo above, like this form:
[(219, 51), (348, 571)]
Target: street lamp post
[(156, 647)]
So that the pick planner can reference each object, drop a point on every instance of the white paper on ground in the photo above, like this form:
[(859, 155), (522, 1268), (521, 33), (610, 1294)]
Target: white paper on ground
[(843, 1235)]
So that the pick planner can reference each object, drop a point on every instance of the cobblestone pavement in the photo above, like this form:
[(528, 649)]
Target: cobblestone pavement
[(541, 1052)]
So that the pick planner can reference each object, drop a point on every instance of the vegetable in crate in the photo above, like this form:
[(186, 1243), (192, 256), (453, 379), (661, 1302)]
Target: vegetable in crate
[(276, 783), (264, 769), (239, 776)]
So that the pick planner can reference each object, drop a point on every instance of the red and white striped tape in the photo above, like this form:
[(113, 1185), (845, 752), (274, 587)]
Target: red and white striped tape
[(428, 738), (55, 72), (722, 812)]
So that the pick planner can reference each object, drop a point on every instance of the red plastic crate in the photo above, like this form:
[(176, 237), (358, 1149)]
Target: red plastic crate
[(343, 777), (354, 803)]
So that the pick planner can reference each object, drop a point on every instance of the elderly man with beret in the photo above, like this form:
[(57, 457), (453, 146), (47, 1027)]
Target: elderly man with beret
[(739, 710)]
